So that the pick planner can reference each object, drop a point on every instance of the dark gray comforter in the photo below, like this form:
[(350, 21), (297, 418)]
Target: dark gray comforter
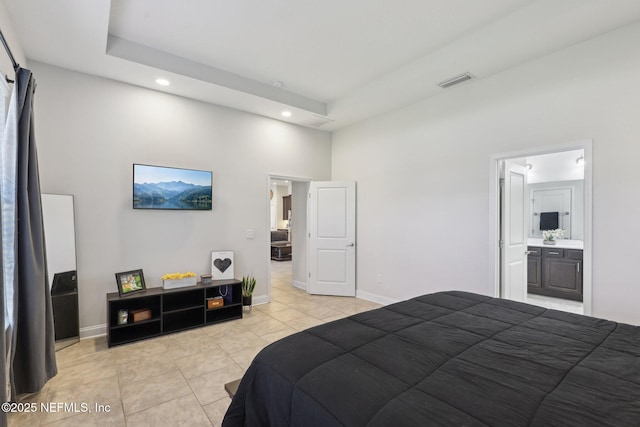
[(450, 359)]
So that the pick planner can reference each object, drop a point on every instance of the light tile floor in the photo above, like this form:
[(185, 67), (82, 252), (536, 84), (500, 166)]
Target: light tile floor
[(176, 379), (569, 306)]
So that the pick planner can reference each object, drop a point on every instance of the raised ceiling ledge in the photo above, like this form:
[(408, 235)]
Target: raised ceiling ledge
[(134, 52)]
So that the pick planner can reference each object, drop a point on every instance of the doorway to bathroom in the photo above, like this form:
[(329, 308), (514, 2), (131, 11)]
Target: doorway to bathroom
[(541, 227)]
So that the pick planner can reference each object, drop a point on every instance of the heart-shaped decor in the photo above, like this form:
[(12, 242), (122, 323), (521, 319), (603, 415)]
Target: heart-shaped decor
[(222, 264)]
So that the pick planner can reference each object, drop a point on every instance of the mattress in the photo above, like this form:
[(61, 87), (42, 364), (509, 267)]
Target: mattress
[(447, 359)]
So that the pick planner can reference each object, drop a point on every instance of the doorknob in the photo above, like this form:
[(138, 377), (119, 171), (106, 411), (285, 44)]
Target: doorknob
[(350, 244)]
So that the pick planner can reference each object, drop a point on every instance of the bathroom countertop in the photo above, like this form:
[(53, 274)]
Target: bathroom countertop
[(560, 243)]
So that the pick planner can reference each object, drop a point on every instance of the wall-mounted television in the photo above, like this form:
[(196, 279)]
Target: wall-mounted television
[(159, 187)]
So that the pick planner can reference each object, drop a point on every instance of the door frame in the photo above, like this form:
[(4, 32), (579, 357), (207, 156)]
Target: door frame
[(494, 212), (267, 258)]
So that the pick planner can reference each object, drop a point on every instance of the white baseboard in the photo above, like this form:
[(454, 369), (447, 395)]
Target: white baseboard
[(93, 331), (300, 285), (261, 299), (375, 298)]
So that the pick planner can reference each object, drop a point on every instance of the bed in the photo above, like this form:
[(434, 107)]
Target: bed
[(447, 359)]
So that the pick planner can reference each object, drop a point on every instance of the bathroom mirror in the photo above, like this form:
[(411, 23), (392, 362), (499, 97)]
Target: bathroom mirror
[(555, 185)]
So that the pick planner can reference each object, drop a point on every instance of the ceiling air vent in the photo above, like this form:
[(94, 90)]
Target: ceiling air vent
[(316, 121), (455, 80)]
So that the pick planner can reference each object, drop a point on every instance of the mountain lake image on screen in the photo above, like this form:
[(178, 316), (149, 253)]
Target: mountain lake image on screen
[(158, 187)]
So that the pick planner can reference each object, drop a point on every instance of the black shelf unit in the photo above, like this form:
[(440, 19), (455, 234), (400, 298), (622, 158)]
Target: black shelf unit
[(172, 310)]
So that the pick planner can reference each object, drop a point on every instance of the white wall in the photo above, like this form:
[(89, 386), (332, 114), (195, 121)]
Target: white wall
[(6, 67), (91, 130), (423, 172)]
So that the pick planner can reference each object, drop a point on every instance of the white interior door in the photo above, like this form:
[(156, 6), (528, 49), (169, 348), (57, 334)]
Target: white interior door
[(514, 233), (552, 200), (332, 238)]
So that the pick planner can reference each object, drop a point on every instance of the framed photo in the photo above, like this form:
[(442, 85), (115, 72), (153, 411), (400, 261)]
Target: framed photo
[(130, 282), (222, 265)]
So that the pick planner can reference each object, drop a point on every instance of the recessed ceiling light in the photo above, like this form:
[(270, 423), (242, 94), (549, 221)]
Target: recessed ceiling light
[(163, 82), (286, 113)]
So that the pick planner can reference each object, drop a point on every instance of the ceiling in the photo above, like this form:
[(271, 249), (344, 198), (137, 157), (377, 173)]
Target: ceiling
[(557, 160), (558, 166), (338, 62)]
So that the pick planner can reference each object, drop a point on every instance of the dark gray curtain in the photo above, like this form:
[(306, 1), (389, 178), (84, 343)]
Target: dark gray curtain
[(33, 360)]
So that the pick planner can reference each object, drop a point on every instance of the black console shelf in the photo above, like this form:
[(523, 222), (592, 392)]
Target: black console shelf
[(172, 310)]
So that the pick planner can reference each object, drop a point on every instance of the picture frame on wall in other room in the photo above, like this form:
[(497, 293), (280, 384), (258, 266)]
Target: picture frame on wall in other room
[(130, 282), (222, 265)]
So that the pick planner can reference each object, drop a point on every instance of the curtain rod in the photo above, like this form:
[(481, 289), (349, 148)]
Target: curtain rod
[(13, 60)]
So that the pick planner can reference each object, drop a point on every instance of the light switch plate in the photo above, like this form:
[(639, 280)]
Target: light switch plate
[(250, 233)]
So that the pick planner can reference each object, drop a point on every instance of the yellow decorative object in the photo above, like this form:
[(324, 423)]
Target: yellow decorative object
[(178, 276), (179, 280)]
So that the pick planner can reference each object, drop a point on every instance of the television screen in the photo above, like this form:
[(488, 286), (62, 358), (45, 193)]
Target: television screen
[(157, 187)]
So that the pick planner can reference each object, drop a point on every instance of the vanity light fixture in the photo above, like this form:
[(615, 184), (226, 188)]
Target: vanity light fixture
[(580, 160), (286, 113), (163, 82)]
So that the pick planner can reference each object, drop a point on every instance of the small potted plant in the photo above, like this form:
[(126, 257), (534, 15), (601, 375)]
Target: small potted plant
[(549, 236), (248, 285)]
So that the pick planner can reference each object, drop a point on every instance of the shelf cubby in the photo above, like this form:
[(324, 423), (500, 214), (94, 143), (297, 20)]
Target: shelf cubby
[(177, 300), (123, 334), (222, 314), (182, 319)]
